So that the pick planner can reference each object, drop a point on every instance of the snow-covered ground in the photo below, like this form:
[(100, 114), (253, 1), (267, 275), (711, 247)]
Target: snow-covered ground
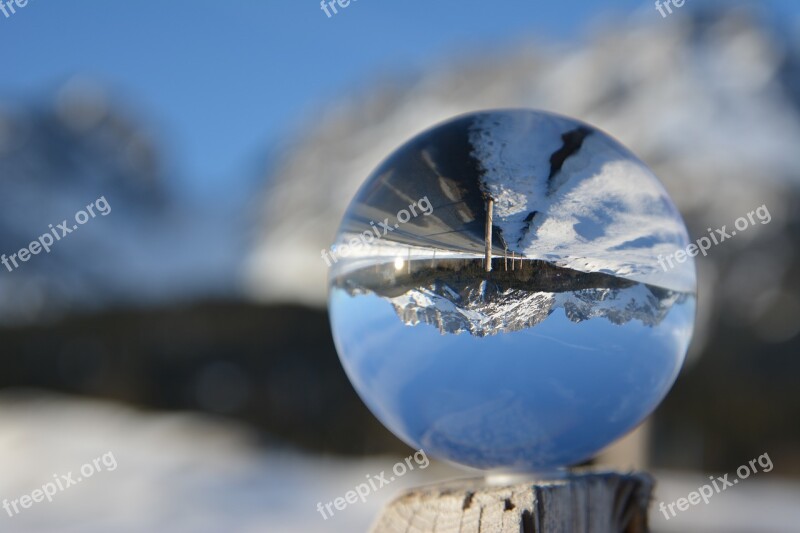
[(175, 473), (188, 473)]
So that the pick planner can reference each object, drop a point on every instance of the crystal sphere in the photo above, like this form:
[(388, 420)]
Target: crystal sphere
[(506, 291)]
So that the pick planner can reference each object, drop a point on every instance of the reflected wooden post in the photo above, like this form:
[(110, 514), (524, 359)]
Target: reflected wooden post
[(488, 234)]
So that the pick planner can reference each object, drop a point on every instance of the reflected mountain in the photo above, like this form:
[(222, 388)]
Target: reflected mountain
[(458, 295)]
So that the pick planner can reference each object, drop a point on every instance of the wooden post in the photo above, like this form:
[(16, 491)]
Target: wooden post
[(488, 233), (583, 502)]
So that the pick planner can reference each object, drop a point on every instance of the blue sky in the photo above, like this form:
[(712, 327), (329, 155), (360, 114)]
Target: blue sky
[(219, 82)]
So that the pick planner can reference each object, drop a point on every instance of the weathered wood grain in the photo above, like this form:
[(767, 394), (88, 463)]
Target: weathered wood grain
[(583, 502)]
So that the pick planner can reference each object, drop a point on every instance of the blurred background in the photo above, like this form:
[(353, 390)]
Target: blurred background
[(186, 330)]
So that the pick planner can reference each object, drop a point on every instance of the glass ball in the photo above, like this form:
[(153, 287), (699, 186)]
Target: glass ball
[(506, 291)]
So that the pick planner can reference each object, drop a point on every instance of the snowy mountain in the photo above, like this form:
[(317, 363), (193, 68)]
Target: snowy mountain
[(148, 247)]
